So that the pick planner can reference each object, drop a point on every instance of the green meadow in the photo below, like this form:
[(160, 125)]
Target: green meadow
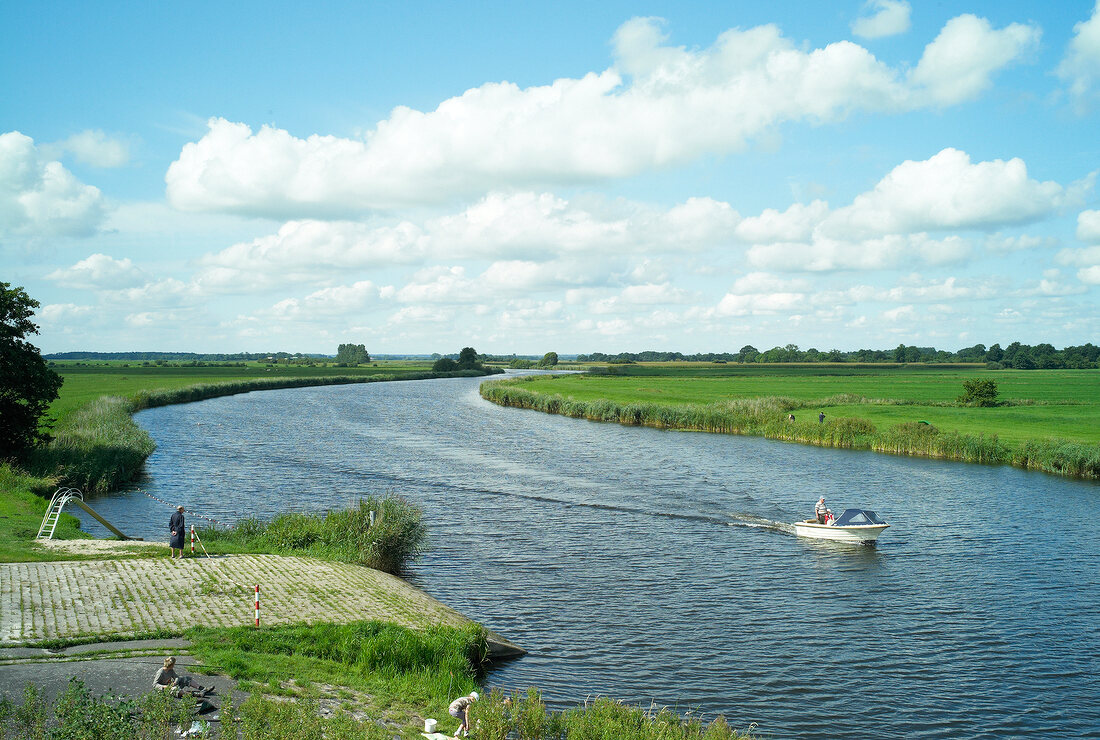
[(85, 382), (1046, 419)]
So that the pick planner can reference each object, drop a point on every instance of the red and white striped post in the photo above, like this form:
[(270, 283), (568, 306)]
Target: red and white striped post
[(192, 539), (257, 605)]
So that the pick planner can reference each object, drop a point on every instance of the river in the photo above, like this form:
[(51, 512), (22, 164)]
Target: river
[(648, 565)]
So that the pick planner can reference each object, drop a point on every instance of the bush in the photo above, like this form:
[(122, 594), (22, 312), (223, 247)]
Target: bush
[(396, 537), (979, 392)]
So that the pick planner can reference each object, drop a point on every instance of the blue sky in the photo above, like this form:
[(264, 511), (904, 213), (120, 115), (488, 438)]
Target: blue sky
[(611, 176)]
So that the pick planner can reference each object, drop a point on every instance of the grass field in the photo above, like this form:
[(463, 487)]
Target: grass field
[(86, 382), (1048, 419), (1060, 404)]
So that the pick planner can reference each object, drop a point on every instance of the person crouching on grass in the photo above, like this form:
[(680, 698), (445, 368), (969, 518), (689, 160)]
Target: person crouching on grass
[(168, 680), (460, 708)]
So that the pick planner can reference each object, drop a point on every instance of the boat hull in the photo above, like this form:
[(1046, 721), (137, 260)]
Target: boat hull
[(857, 533)]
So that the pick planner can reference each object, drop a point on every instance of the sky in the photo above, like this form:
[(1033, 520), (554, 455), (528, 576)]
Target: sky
[(571, 176)]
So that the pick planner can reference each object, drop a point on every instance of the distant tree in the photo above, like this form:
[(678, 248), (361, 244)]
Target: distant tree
[(994, 354), (352, 354), (27, 384), (748, 353), (549, 359), (979, 393), (444, 365), (467, 358)]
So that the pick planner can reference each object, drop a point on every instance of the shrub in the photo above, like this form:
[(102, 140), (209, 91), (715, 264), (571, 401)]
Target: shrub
[(978, 392)]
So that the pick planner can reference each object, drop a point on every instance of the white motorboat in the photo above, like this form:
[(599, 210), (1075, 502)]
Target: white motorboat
[(854, 525)]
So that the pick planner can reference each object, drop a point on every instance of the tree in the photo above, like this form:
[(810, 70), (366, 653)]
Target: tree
[(27, 385), (979, 393), (467, 358), (352, 354), (444, 365), (549, 359)]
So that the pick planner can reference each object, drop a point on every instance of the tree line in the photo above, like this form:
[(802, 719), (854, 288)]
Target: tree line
[(1015, 356)]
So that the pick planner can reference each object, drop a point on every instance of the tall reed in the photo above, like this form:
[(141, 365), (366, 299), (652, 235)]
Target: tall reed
[(395, 538)]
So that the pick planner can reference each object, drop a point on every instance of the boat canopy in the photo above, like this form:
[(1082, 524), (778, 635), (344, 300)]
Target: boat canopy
[(852, 517)]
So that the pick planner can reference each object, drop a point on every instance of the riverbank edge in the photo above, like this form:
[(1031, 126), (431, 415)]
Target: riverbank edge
[(1055, 457), (98, 446)]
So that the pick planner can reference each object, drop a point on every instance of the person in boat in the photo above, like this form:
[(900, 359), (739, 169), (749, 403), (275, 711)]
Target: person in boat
[(821, 511)]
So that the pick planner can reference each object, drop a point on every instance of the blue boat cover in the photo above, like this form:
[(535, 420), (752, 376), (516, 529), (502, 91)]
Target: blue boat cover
[(857, 516)]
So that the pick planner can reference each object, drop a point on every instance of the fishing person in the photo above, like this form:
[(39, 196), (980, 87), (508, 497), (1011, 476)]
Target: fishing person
[(460, 708), (821, 511), (176, 526)]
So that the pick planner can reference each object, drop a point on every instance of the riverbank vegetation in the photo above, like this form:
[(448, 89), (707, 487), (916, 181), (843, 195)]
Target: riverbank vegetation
[(369, 680), (500, 717), (384, 533), (1044, 420)]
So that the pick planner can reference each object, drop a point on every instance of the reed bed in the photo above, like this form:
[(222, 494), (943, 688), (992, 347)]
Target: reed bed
[(395, 538), (98, 446), (768, 417), (525, 717)]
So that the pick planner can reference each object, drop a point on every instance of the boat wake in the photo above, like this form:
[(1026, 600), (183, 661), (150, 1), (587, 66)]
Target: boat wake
[(758, 522)]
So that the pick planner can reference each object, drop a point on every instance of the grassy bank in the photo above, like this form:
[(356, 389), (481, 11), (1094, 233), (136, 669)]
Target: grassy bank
[(374, 681), (899, 410), (97, 446), (396, 536)]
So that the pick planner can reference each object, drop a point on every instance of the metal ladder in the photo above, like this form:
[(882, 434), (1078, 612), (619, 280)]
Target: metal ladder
[(61, 497)]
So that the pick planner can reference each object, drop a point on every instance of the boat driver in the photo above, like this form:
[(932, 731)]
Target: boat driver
[(821, 511)]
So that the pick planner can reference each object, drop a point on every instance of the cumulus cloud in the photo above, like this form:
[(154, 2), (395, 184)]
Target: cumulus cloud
[(340, 300), (658, 105), (535, 226), (882, 18), (896, 221), (39, 197), (95, 148), (947, 191), (1080, 67), (1088, 227), (959, 64), (100, 271)]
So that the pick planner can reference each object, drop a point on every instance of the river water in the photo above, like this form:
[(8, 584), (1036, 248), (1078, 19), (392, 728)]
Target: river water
[(649, 565)]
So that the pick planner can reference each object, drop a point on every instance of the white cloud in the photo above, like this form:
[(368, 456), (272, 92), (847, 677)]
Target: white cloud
[(95, 148), (1088, 227), (530, 226), (797, 223), (39, 197), (1089, 275), (901, 313), (659, 105), (1001, 243), (1081, 65), (959, 64), (58, 314), (947, 191), (100, 271), (336, 301), (887, 18)]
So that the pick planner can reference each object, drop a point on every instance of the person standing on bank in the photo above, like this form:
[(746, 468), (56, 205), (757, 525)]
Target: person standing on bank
[(176, 526)]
